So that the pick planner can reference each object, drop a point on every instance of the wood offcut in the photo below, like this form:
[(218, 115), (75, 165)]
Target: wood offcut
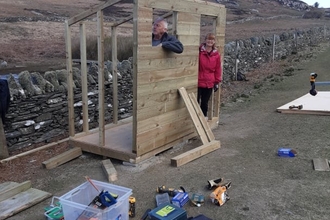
[(62, 158), (16, 197), (321, 164)]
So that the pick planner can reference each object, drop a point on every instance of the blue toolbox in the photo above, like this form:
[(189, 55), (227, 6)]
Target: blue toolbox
[(168, 212)]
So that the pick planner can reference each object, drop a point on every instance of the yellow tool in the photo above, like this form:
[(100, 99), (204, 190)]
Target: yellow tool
[(132, 201)]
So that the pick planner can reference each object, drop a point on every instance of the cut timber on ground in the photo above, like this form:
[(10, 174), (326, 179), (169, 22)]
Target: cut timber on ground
[(321, 164), (16, 197), (195, 153), (62, 158), (109, 170)]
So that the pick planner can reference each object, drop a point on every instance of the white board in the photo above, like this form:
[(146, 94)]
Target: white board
[(318, 105)]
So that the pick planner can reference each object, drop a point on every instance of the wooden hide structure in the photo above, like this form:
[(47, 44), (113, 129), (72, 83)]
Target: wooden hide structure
[(160, 117), (315, 105)]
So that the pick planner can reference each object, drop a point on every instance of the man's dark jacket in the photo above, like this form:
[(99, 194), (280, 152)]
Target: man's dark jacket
[(170, 43)]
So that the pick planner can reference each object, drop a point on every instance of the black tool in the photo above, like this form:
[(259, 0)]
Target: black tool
[(312, 78), (171, 191), (296, 106)]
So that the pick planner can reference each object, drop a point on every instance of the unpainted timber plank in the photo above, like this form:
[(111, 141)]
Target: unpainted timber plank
[(148, 52), (109, 170), (101, 87), (162, 139), (142, 157), (198, 7), (21, 201), (165, 130), (13, 189), (165, 86), (62, 158), (201, 117), (68, 52), (91, 11), (171, 62), (189, 41), (195, 153), (167, 74), (145, 113), (114, 74), (194, 117), (160, 120), (6, 186), (321, 164), (83, 70)]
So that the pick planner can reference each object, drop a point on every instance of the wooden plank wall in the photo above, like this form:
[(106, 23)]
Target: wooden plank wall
[(161, 116)]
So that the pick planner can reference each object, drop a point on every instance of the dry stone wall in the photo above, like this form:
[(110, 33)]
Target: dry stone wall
[(38, 111), (250, 53)]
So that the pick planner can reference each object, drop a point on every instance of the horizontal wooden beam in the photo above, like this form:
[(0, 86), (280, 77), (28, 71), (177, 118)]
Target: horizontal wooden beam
[(62, 158), (195, 153), (91, 11)]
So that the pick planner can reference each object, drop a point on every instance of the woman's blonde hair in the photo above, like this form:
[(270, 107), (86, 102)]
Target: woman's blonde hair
[(211, 36)]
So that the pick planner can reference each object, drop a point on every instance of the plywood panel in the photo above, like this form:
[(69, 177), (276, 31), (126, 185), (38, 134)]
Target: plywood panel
[(318, 105), (198, 7)]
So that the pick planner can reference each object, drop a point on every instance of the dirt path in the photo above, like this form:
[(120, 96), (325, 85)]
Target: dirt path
[(264, 186)]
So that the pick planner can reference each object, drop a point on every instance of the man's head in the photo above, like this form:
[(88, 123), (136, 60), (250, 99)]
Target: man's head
[(159, 27)]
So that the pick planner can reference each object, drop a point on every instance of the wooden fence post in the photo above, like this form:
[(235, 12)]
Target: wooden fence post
[(274, 47), (236, 60)]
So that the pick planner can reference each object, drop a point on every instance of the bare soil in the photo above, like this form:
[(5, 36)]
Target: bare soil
[(264, 186)]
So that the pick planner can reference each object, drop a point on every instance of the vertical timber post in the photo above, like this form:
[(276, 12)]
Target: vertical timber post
[(100, 49), (274, 42), (236, 60), (135, 70), (70, 78), (83, 61), (114, 73)]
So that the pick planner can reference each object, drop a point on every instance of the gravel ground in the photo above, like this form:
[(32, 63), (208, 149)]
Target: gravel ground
[(264, 186)]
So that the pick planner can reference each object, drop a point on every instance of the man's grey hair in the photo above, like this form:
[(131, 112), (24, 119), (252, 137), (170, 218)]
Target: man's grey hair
[(159, 19)]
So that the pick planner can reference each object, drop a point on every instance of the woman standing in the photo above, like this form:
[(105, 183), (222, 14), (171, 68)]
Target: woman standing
[(209, 72)]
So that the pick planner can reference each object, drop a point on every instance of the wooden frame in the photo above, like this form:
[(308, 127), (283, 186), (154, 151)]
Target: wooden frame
[(160, 118)]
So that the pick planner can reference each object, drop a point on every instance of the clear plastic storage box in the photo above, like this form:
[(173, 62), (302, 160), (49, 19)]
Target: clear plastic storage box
[(75, 203)]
